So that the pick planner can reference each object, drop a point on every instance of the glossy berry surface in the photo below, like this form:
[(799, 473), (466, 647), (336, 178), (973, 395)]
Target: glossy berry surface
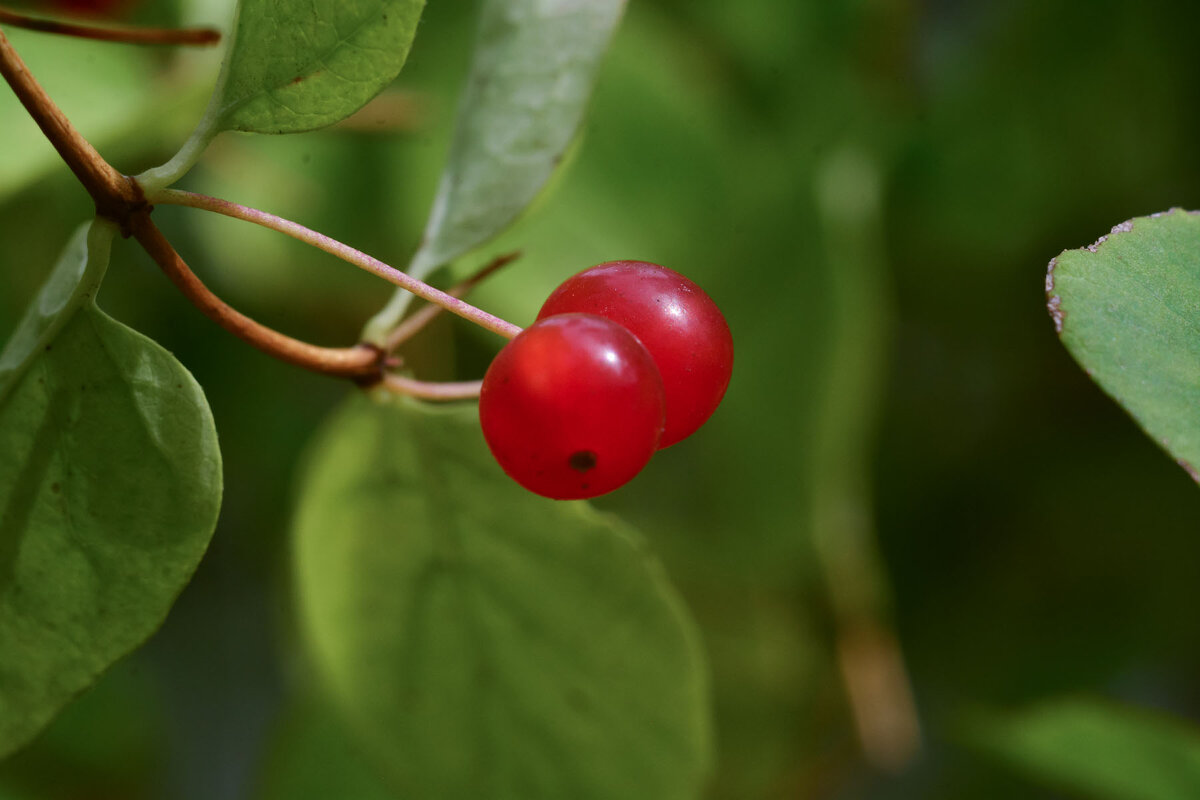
[(572, 407), (678, 323)]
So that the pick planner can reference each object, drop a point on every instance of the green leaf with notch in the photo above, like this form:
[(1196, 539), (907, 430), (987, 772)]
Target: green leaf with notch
[(1128, 309), (1099, 750), (110, 483), (531, 78), (485, 642)]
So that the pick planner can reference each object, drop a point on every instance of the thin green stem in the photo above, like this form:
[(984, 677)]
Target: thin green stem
[(849, 187), (342, 251), (157, 179)]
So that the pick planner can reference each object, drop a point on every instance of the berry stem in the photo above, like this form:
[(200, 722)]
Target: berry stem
[(361, 362), (426, 390), (200, 37), (419, 319), (342, 251)]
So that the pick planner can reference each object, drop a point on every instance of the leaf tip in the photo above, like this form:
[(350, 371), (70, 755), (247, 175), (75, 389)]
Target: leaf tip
[(1053, 301)]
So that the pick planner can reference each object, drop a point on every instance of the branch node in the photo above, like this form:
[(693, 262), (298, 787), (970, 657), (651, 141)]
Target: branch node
[(121, 209)]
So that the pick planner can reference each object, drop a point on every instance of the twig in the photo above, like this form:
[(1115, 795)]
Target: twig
[(352, 362), (342, 251), (120, 199), (411, 326), (426, 390), (115, 195), (200, 37)]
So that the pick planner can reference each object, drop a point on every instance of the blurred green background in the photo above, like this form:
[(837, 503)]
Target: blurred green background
[(871, 190)]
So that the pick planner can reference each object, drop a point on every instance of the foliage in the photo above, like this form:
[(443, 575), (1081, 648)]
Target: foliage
[(92, 416), (449, 609), (1126, 309), (1099, 750)]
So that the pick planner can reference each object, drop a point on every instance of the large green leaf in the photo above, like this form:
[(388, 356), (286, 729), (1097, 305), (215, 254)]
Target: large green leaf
[(1099, 750), (483, 641), (531, 77), (110, 482), (1128, 309), (299, 65)]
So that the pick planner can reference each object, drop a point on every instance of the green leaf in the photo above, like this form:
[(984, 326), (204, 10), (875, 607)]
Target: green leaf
[(485, 642), (1128, 309), (110, 482), (534, 67), (299, 65), (1099, 750)]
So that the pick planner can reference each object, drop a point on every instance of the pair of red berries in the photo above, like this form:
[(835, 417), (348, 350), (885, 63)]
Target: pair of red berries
[(625, 358)]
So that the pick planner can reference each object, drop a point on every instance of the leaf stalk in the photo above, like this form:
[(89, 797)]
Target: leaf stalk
[(332, 246)]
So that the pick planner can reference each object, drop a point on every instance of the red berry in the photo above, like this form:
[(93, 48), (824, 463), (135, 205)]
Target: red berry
[(572, 407), (678, 323)]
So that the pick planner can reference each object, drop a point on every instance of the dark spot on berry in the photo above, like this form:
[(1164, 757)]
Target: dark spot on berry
[(582, 460)]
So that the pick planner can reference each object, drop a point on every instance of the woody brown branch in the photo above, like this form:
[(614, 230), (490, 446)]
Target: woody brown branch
[(362, 361), (120, 199)]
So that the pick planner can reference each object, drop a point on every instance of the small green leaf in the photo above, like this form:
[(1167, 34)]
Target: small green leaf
[(1099, 750), (1128, 309), (534, 67), (485, 642), (110, 482), (299, 65)]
